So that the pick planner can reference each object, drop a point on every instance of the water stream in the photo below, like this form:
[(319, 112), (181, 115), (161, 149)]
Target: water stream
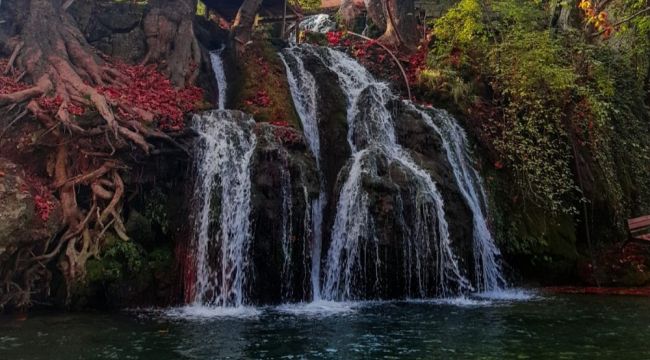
[(223, 196), (488, 272), (220, 76), (353, 264)]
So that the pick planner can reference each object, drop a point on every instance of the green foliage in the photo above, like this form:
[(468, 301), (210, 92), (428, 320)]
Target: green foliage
[(536, 82), (120, 259), (123, 261), (308, 5), (548, 105), (201, 9), (462, 26), (156, 209)]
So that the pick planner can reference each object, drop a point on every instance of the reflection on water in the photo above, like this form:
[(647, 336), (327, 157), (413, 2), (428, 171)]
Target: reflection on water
[(487, 327)]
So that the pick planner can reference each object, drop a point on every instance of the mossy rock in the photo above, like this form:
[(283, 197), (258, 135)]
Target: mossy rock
[(263, 90), (140, 228)]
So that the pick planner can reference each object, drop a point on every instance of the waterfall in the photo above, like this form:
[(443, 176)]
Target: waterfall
[(220, 76), (223, 196), (319, 23), (371, 137), (486, 254), (305, 98), (287, 231)]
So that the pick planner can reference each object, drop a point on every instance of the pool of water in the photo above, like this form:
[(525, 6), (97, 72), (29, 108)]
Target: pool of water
[(489, 327)]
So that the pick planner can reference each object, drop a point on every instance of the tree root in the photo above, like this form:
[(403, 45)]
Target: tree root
[(66, 75)]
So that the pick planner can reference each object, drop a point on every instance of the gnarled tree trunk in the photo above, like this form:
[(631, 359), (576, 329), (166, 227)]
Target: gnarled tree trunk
[(169, 29)]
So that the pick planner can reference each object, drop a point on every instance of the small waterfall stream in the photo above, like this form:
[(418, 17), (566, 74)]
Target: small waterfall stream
[(305, 99), (371, 135), (486, 254), (220, 76), (223, 194)]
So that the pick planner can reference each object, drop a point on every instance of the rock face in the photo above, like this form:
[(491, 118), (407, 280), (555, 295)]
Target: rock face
[(284, 184), (20, 224)]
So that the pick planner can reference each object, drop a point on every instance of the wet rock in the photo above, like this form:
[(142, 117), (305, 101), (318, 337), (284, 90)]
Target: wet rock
[(333, 131), (284, 184), (425, 147)]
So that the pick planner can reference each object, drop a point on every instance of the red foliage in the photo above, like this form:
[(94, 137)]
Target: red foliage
[(334, 37), (149, 90), (263, 66), (287, 135), (8, 84), (43, 206), (416, 63), (455, 57), (261, 99), (280, 123), (76, 109), (50, 104)]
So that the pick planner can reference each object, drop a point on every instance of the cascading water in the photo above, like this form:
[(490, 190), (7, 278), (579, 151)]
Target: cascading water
[(305, 98), (220, 76), (287, 232), (356, 265), (223, 195), (486, 254), (319, 23), (371, 137)]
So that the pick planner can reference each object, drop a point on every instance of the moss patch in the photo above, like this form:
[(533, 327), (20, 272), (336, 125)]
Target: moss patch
[(263, 90)]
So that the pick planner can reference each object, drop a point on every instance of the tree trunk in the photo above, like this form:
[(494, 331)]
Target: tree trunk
[(242, 27), (170, 37), (395, 17), (376, 14), (401, 24)]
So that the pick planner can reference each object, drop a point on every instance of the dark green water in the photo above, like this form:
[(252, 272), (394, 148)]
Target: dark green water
[(558, 327)]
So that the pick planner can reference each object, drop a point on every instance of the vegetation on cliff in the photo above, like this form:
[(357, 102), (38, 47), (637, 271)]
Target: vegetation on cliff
[(555, 93)]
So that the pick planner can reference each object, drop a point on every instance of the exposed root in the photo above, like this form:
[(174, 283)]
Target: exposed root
[(13, 57), (97, 121)]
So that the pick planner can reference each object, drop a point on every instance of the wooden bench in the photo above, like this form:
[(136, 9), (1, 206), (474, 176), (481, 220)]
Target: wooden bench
[(639, 228)]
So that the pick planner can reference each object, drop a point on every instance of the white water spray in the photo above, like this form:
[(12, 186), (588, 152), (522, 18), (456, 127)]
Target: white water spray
[(220, 76), (223, 196), (305, 98), (486, 254), (371, 137)]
